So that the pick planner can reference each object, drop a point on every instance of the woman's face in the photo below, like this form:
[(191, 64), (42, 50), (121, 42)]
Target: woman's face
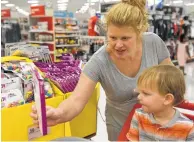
[(121, 41)]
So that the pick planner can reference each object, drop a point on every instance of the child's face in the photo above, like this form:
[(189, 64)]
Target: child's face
[(150, 100)]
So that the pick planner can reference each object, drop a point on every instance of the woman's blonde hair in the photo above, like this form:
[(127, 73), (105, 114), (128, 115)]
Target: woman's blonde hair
[(164, 79), (129, 13)]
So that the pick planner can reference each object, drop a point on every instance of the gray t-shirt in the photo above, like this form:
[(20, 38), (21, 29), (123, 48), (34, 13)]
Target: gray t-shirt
[(119, 88)]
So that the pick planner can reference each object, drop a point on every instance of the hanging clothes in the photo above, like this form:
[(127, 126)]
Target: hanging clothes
[(10, 32), (182, 54)]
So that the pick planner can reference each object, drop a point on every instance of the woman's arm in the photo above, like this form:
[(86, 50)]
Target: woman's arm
[(76, 102)]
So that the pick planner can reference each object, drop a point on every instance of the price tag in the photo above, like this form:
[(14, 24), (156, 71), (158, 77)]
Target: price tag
[(34, 132)]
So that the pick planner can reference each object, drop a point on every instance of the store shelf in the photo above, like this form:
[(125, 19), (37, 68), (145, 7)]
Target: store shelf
[(41, 31), (67, 36), (41, 16), (41, 42), (24, 32), (67, 45), (60, 31)]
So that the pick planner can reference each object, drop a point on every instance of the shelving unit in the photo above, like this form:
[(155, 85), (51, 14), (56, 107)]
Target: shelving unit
[(68, 45), (24, 26), (42, 31), (67, 36)]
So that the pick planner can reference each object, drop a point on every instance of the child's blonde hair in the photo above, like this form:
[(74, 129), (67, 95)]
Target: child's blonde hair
[(129, 13), (164, 79)]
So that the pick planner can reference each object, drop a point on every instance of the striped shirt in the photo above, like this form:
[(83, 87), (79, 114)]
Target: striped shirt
[(145, 128)]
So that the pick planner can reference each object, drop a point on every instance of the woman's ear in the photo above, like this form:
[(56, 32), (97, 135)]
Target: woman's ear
[(169, 99)]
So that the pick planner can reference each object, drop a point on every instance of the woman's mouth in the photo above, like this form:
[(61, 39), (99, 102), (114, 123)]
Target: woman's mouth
[(120, 51)]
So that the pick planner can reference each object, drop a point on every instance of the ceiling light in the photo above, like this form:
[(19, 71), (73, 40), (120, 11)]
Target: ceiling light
[(86, 4), (64, 4), (62, 7), (35, 4), (4, 1), (93, 0), (10, 5), (33, 1), (178, 1), (62, 1), (189, 4), (92, 3)]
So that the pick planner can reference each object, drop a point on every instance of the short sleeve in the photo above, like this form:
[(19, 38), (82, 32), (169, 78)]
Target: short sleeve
[(92, 69), (162, 50), (191, 135), (133, 133)]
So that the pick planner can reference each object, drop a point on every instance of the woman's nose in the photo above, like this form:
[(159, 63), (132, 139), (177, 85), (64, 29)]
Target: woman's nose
[(119, 43)]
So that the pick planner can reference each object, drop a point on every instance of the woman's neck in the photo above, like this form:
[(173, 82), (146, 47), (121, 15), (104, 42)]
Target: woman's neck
[(164, 116)]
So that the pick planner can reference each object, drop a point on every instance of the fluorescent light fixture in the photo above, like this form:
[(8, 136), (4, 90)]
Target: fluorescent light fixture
[(10, 5), (178, 1), (86, 3), (60, 4), (92, 0), (167, 4), (189, 4), (62, 7), (33, 1), (92, 3), (4, 2), (34, 4), (62, 1), (107, 0)]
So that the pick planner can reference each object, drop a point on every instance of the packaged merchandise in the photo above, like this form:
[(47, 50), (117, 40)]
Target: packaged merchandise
[(11, 84), (18, 75), (39, 95), (12, 98), (64, 74)]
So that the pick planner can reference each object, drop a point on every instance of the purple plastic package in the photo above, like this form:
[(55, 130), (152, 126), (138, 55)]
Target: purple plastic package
[(39, 95)]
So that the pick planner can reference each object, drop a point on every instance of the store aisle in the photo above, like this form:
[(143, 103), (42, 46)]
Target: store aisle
[(189, 78)]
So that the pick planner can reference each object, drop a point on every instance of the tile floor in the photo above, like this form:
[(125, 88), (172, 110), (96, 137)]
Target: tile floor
[(101, 134)]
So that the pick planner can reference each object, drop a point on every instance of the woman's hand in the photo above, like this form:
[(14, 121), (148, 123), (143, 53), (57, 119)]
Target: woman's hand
[(52, 115)]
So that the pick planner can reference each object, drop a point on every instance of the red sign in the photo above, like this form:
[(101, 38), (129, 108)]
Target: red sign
[(37, 10), (5, 13)]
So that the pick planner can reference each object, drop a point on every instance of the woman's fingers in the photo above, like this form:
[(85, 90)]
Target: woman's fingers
[(34, 109)]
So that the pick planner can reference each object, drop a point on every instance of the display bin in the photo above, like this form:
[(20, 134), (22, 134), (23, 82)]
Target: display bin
[(85, 123), (16, 121)]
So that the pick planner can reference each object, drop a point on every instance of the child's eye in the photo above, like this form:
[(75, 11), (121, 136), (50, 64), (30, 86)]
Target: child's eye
[(146, 94)]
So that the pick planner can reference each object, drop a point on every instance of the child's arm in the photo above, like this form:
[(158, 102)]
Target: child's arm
[(133, 133), (191, 135)]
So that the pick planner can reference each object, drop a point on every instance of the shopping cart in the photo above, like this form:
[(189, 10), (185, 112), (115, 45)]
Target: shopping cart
[(184, 105)]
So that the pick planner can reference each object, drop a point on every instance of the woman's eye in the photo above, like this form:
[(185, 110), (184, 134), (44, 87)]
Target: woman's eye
[(125, 38), (113, 38)]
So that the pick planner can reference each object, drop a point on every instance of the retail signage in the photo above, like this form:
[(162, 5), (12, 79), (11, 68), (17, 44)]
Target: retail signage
[(63, 14), (37, 10), (5, 13)]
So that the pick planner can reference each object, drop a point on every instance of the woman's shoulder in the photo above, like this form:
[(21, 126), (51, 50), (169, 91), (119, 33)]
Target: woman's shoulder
[(150, 36), (101, 54)]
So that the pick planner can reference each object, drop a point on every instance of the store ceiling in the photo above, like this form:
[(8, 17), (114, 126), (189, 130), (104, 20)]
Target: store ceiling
[(74, 5)]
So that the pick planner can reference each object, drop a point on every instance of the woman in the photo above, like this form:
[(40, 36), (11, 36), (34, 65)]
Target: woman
[(116, 66), (182, 52)]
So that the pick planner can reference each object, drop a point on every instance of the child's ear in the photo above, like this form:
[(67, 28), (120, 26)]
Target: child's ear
[(169, 99)]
